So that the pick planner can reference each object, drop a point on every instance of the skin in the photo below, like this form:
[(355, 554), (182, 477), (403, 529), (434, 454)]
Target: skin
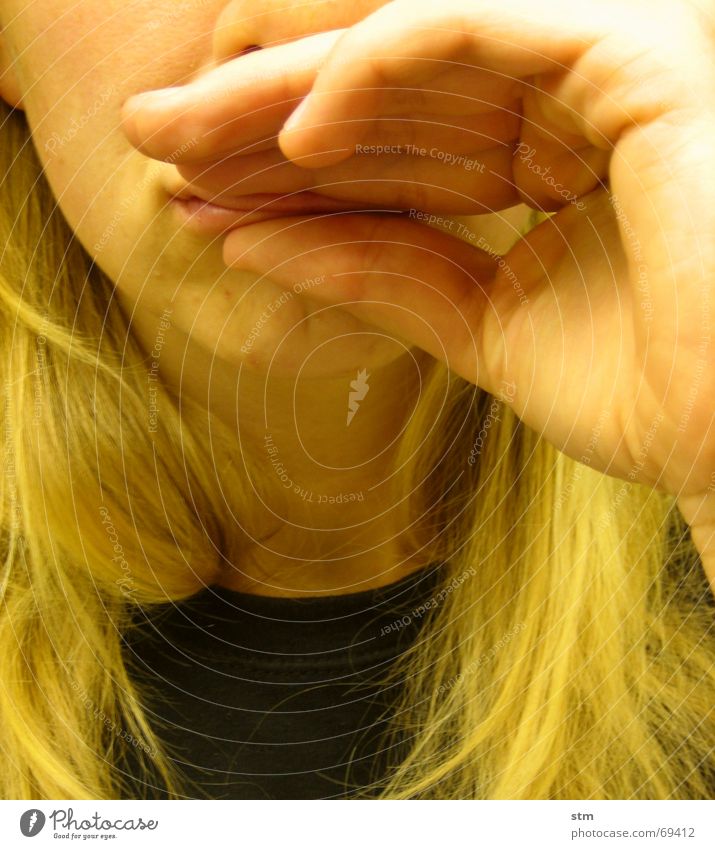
[(610, 355), (82, 59), (573, 120)]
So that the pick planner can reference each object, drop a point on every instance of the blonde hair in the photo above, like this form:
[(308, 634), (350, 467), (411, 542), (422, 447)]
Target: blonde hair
[(572, 661)]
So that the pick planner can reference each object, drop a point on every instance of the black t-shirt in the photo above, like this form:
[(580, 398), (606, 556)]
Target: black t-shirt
[(276, 698)]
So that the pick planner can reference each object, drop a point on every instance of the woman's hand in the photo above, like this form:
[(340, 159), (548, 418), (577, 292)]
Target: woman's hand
[(596, 328), (221, 132)]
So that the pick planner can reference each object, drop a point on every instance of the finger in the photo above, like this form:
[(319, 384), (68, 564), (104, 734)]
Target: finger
[(213, 117), (247, 97), (466, 133), (547, 176), (460, 185), (428, 136), (405, 44), (423, 119), (458, 133), (411, 281), (663, 184), (554, 166)]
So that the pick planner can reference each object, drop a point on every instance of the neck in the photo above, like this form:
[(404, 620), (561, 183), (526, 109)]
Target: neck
[(315, 456)]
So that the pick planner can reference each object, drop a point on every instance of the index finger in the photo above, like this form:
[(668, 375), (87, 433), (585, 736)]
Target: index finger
[(231, 107)]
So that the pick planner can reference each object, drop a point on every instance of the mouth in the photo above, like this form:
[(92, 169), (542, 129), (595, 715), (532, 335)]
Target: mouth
[(210, 217)]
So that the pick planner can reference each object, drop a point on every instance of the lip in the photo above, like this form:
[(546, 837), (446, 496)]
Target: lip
[(204, 216)]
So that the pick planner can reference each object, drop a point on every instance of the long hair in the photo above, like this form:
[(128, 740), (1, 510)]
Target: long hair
[(571, 654)]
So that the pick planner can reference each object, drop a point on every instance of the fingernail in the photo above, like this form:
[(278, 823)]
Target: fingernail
[(295, 116)]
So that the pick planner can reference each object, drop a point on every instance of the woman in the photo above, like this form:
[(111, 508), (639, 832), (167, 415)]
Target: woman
[(341, 381)]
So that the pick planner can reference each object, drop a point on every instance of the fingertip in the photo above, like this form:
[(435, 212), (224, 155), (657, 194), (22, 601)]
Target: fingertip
[(297, 116), (294, 139), (128, 120), (144, 105), (300, 135), (299, 148)]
